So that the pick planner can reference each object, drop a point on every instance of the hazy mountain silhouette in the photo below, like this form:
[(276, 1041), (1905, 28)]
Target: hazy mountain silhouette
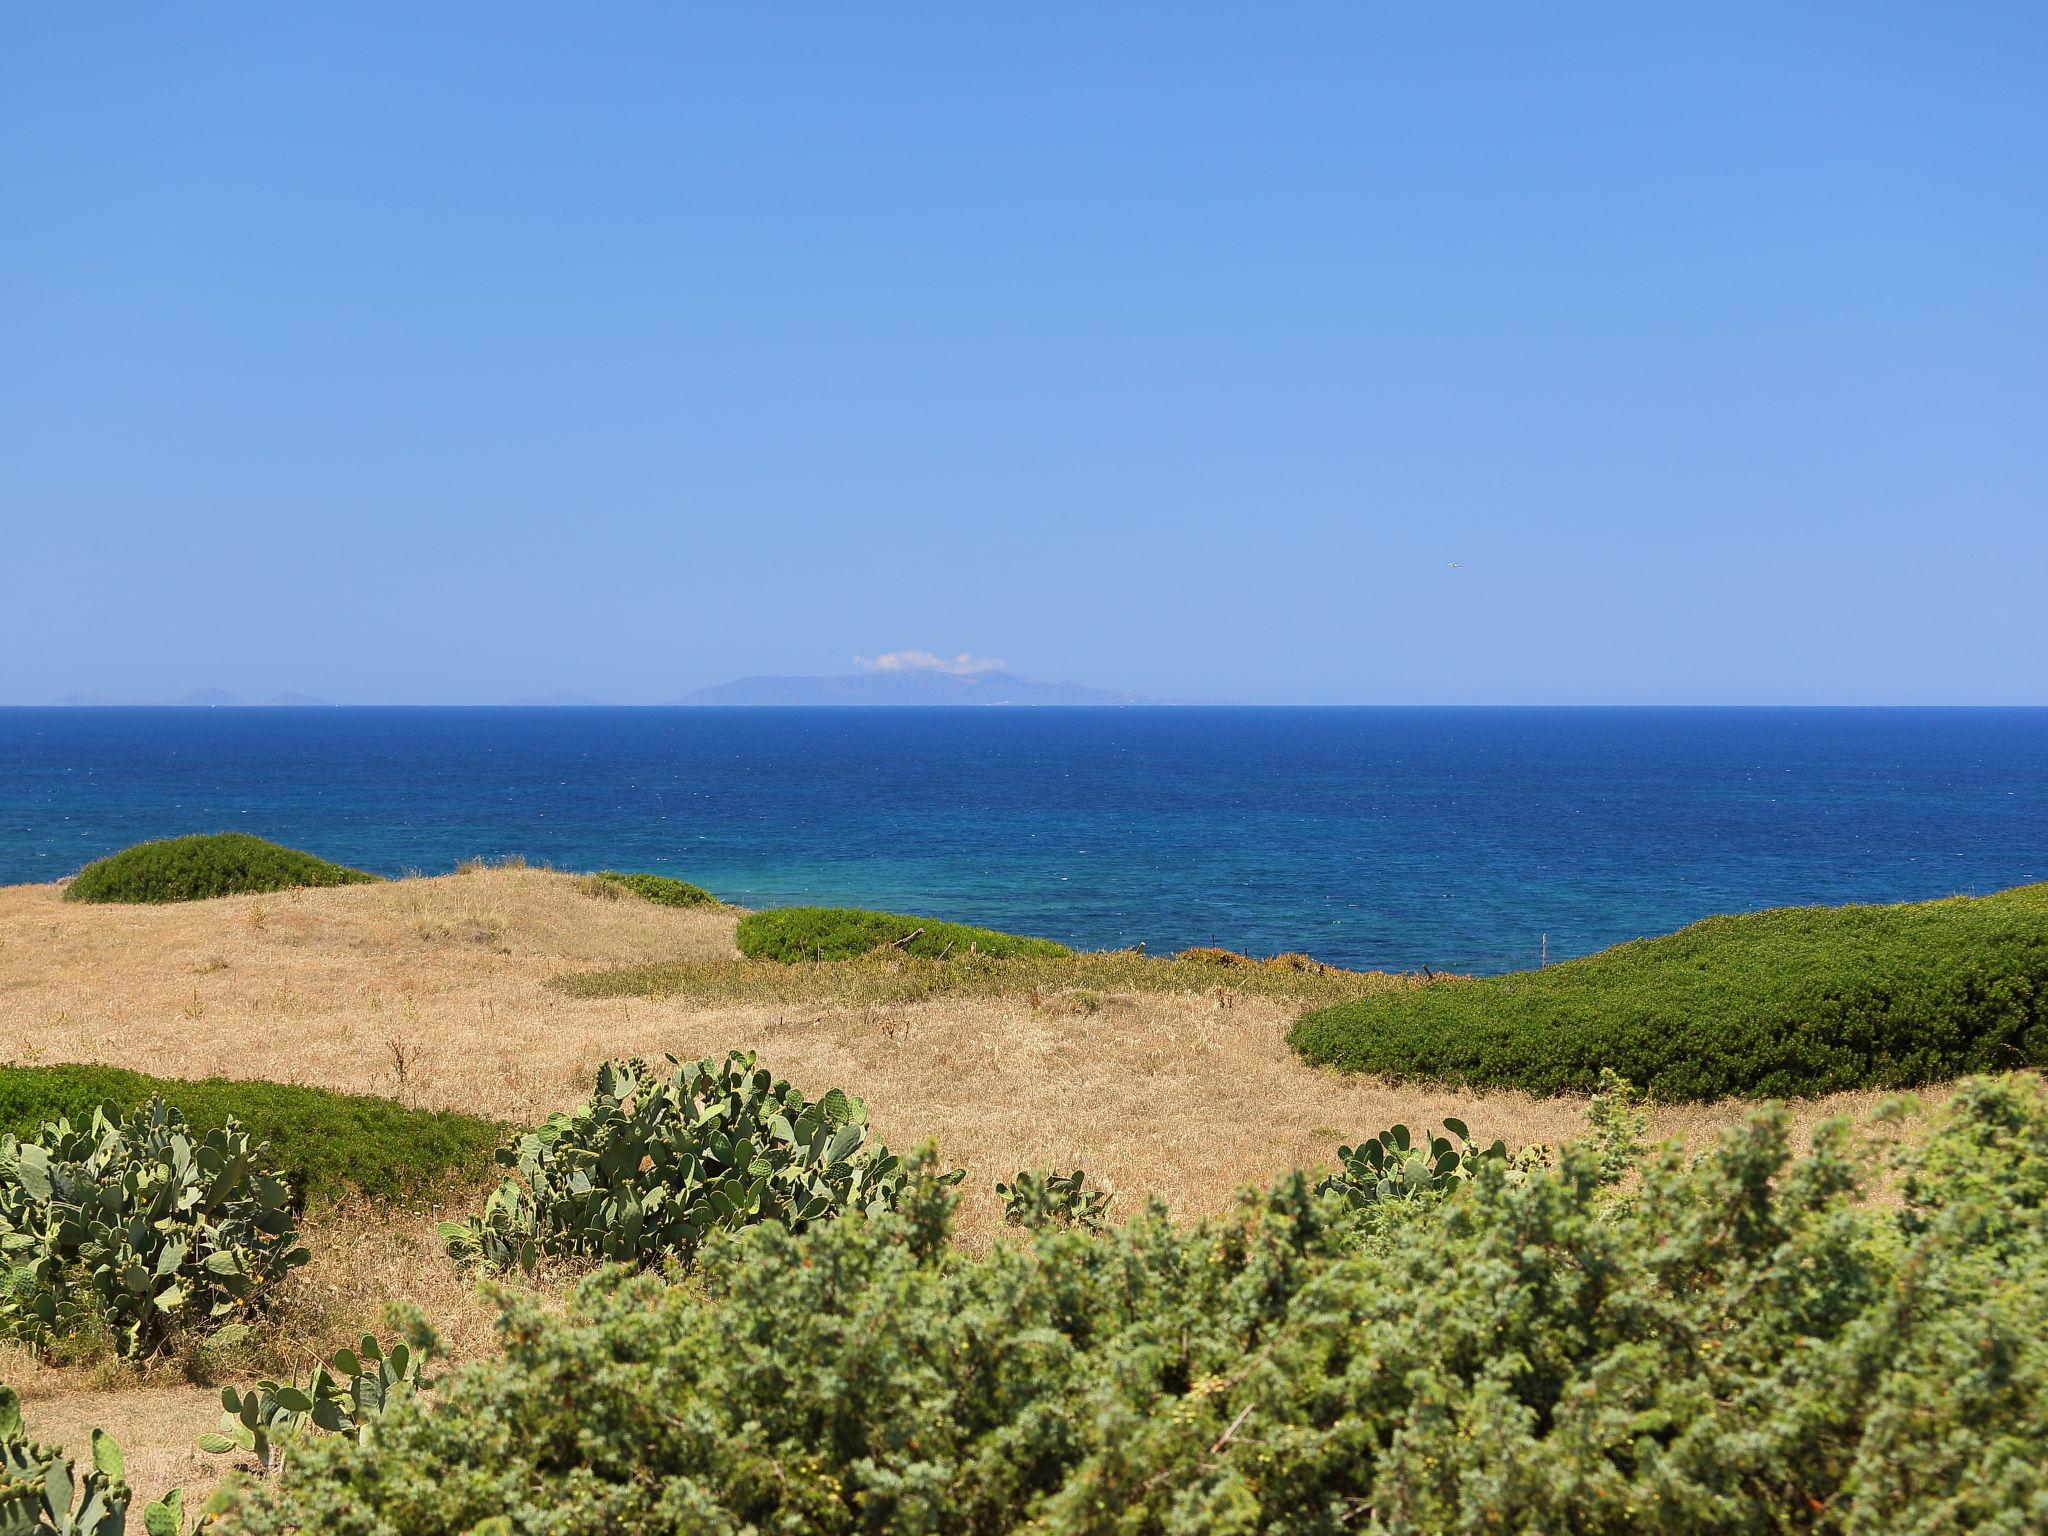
[(919, 686)]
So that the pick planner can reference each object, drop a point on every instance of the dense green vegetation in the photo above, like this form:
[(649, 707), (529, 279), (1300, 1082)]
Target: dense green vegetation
[(657, 888), (326, 1144), (133, 1228), (1801, 1000), (793, 934), (203, 865), (660, 1158), (1611, 1345)]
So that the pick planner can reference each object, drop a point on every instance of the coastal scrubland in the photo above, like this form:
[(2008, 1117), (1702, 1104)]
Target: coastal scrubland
[(462, 1009)]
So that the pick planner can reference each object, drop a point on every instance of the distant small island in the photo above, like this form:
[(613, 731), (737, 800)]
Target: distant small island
[(922, 686)]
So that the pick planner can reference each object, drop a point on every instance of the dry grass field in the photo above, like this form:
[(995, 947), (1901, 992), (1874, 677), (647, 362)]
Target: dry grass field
[(1163, 1081)]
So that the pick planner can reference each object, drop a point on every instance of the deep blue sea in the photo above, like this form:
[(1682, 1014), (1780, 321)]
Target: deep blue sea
[(1369, 837)]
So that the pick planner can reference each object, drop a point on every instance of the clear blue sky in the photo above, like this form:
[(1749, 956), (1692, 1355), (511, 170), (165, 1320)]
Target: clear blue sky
[(456, 352)]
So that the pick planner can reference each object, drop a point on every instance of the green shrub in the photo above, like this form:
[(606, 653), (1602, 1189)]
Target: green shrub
[(1802, 1000), (326, 1144), (206, 864), (655, 888), (1053, 1201), (655, 1162), (793, 934), (41, 1492), (139, 1225), (1737, 1345)]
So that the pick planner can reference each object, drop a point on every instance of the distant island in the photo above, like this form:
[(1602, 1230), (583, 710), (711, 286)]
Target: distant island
[(910, 687)]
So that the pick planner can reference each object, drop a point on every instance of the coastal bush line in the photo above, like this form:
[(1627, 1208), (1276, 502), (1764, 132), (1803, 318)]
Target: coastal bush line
[(1790, 1002), (795, 934), (660, 889), (1620, 1343), (325, 1144), (205, 865)]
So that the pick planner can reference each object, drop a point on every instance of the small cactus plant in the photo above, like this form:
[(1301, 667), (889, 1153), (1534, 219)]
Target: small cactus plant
[(141, 1223), (658, 1160), (1051, 1200), (346, 1395), (1399, 1165), (41, 1494)]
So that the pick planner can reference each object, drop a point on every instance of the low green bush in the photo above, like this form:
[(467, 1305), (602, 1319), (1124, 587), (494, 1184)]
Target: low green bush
[(1738, 1344), (658, 1160), (793, 934), (1791, 1002), (138, 1227), (656, 888), (204, 865), (326, 1144)]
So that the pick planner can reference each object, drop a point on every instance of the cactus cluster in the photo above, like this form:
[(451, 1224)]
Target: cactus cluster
[(41, 1494), (140, 1224), (346, 1395), (659, 1159), (1398, 1165), (1052, 1200)]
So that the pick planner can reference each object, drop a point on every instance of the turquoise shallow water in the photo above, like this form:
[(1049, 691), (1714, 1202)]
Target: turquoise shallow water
[(1370, 837)]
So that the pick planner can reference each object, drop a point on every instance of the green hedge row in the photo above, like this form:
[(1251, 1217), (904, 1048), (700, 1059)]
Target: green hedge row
[(328, 1144), (204, 865), (1796, 1001), (794, 934)]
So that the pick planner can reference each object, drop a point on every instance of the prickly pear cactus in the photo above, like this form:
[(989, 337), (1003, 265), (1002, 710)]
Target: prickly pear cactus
[(139, 1223), (660, 1159), (41, 1495), (1398, 1165), (1052, 1200), (346, 1395)]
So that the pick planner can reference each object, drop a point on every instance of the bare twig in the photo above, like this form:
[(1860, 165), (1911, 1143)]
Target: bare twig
[(907, 939), (1235, 1425)]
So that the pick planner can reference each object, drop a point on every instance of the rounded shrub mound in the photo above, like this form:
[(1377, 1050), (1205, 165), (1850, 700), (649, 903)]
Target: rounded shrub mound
[(792, 934), (203, 865), (662, 889), (1785, 1003)]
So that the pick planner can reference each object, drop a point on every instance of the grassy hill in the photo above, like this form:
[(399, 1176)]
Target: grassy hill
[(1794, 1001), (203, 865)]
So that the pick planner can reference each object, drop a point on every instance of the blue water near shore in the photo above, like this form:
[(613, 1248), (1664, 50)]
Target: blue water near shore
[(1368, 837)]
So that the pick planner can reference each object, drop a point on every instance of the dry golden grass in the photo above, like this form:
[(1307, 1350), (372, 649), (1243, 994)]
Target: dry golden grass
[(1164, 1079), (1179, 1094)]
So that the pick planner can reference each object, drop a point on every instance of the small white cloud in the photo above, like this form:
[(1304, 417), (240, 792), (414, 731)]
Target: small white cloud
[(924, 661)]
